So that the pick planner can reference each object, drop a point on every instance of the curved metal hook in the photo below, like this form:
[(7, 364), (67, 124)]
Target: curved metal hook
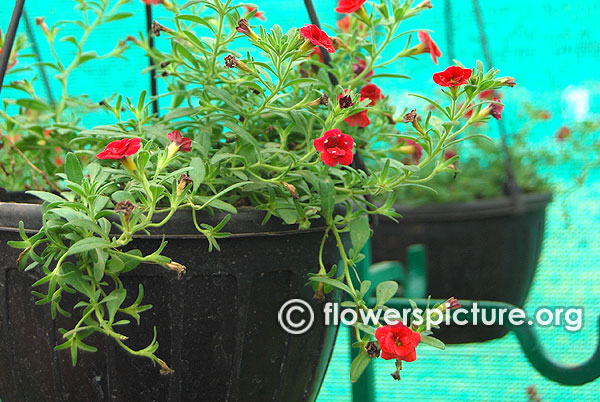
[(530, 344)]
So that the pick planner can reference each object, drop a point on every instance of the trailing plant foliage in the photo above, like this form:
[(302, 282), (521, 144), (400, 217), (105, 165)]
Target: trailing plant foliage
[(256, 118), (532, 163)]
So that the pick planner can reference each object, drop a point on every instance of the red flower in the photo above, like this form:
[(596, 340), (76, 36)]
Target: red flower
[(317, 37), (372, 92), (397, 341), (152, 2), (489, 94), (469, 112), (120, 149), (259, 14), (429, 46), (414, 150), (449, 154), (319, 53), (349, 6), (360, 66), (359, 119), (184, 144), (335, 147), (453, 76), (344, 24), (563, 133)]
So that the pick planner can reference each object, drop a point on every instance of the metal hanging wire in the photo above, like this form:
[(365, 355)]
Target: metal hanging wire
[(9, 39), (38, 56), (153, 84), (511, 187)]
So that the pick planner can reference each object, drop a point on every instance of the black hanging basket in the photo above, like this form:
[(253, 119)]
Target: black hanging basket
[(217, 326), (480, 250)]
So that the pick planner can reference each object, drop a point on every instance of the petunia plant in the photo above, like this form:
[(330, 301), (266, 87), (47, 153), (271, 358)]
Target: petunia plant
[(257, 118)]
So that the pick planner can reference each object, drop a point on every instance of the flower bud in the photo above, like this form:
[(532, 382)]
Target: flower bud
[(292, 189), (321, 100), (338, 43), (244, 27), (413, 117), (164, 369), (158, 28), (177, 267), (345, 102), (373, 350), (183, 182), (232, 62), (41, 22), (319, 295), (507, 82), (125, 207), (424, 4)]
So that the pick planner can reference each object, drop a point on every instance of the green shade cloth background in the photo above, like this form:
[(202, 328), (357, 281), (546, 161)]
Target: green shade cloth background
[(552, 47)]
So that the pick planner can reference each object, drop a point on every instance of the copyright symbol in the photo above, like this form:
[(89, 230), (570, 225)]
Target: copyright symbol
[(295, 325)]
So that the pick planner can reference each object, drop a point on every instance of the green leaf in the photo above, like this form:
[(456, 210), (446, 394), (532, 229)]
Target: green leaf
[(360, 232), (113, 302), (367, 329), (364, 287), (385, 291), (100, 264), (431, 341), (332, 282), (198, 172), (45, 196), (327, 193), (359, 364), (87, 244), (73, 168)]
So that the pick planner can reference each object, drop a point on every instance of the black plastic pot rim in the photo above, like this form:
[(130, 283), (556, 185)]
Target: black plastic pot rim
[(479, 209), (246, 223)]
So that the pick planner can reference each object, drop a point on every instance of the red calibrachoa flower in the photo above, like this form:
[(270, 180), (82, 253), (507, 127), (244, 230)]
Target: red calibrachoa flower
[(349, 6), (319, 53), (344, 24), (152, 2), (359, 119), (449, 154), (259, 14), (316, 37), (397, 341), (335, 147), (184, 144), (489, 94), (372, 92), (428, 46), (453, 76), (563, 133), (120, 149), (410, 147)]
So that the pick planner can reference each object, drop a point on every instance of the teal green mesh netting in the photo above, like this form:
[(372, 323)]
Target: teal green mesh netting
[(552, 47)]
